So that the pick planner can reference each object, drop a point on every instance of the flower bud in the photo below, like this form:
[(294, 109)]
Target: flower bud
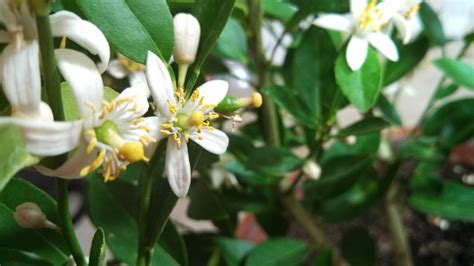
[(231, 104), (312, 169), (29, 215), (350, 140), (186, 37)]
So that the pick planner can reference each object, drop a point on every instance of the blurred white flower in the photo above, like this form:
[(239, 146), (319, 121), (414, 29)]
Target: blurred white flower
[(365, 24), (179, 119), (456, 17), (220, 176), (122, 67), (312, 169)]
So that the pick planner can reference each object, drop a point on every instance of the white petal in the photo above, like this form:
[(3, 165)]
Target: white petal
[(47, 138), (213, 91), (7, 17), (21, 78), (160, 84), (82, 75), (334, 22), (82, 32), (356, 52), (4, 36), (117, 70), (137, 77), (153, 123), (214, 141), (403, 27), (140, 95), (358, 6), (72, 167), (384, 45), (178, 168)]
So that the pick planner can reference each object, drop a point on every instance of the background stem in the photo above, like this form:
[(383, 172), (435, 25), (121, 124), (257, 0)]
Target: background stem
[(53, 92)]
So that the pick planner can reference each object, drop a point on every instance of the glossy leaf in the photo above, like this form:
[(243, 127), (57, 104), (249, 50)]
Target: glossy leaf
[(281, 10), (273, 161), (232, 42), (291, 102), (205, 204), (98, 248), (358, 248), (133, 27), (234, 250), (324, 258), (365, 145), (45, 243), (460, 73), (19, 257), (364, 126), (277, 252), (14, 154), (361, 87), (432, 25), (389, 111), (212, 16), (410, 56), (453, 202), (445, 91)]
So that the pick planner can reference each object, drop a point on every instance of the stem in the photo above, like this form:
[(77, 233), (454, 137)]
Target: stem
[(146, 183), (66, 222), (268, 112), (53, 91), (397, 229)]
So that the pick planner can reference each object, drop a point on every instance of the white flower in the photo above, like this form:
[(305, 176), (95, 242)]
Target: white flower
[(123, 67), (186, 35), (113, 133), (220, 176), (456, 17), (403, 17), (180, 119), (312, 169), (365, 24)]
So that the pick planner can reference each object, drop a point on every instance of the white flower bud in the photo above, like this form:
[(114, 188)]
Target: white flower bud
[(350, 140), (187, 33), (312, 169), (29, 215)]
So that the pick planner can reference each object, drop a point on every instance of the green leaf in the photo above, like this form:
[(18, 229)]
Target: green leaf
[(421, 149), (365, 145), (14, 154), (133, 27), (410, 56), (324, 258), (389, 112), (110, 210), (364, 126), (279, 9), (459, 72), (234, 250), (45, 243), (358, 248), (338, 175), (276, 252), (291, 102), (445, 91), (361, 87), (312, 73), (173, 243), (20, 257), (232, 42), (432, 25), (205, 205), (273, 161), (98, 248), (453, 202), (212, 16), (452, 123)]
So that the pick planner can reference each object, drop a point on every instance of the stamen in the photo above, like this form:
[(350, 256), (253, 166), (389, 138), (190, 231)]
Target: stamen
[(91, 106), (195, 96), (172, 107), (62, 45), (138, 121), (91, 146)]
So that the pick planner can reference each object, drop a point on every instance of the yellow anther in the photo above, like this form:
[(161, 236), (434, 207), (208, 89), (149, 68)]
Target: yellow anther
[(207, 106), (132, 151), (91, 106), (138, 121), (62, 45), (177, 140), (197, 118), (257, 100), (143, 127), (130, 65), (195, 96), (200, 137), (90, 133), (165, 132), (85, 171), (186, 137), (201, 101), (213, 116), (108, 170), (371, 17), (166, 125), (98, 160), (91, 146), (412, 12), (172, 107), (146, 159)]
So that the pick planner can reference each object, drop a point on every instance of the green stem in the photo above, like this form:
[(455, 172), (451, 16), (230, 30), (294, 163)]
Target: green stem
[(53, 91), (146, 183), (397, 229), (67, 226)]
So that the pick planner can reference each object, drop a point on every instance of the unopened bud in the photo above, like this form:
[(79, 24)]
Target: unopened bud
[(29, 215), (186, 38), (312, 169), (350, 140), (231, 104)]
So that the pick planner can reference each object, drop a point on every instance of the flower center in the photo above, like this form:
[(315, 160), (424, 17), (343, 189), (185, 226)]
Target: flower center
[(371, 17)]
